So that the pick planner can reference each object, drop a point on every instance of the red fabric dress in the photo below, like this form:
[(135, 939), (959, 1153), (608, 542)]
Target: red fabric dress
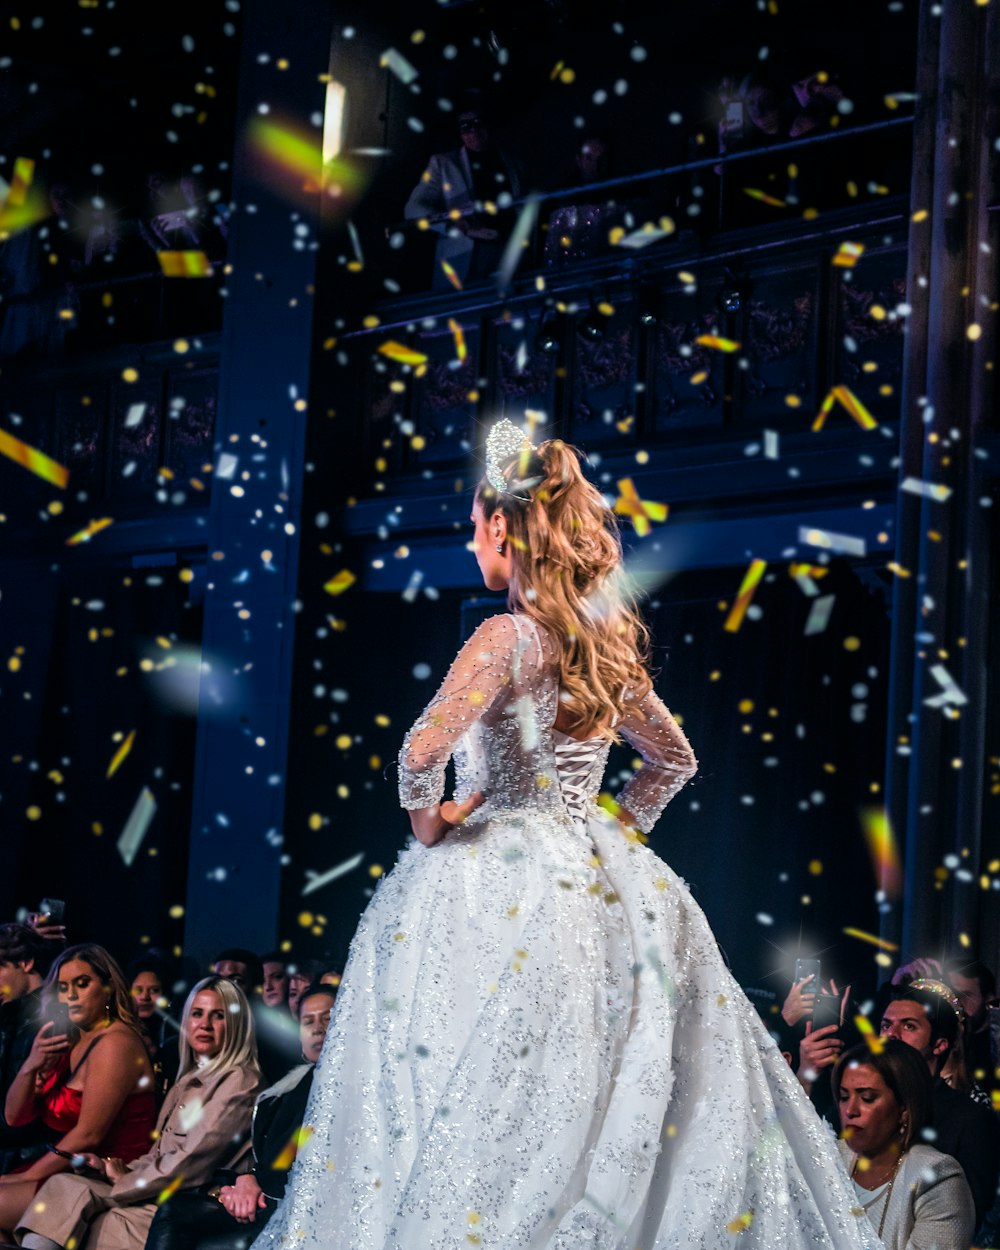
[(128, 1135)]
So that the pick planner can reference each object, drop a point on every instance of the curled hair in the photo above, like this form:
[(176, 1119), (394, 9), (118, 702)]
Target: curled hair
[(906, 1075), (239, 1042), (566, 573)]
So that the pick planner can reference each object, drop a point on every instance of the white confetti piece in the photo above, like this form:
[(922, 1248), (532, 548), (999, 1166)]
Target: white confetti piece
[(412, 586), (515, 248), (397, 64), (189, 1113), (227, 465), (847, 544), (134, 416), (771, 449), (136, 826), (819, 615), (318, 880), (951, 693), (926, 490)]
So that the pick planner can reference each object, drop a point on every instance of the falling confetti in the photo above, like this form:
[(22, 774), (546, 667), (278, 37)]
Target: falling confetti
[(847, 399), (750, 583), (185, 264), (24, 173), (136, 826), (717, 343), (741, 1223), (398, 65), (318, 880), (295, 1143), (827, 540), (881, 843), (848, 255), (401, 353), (926, 490), (33, 460), (134, 416), (85, 535), (864, 1026), (451, 275), (951, 694), (517, 243), (461, 351), (120, 755), (763, 197), (819, 615), (168, 1191), (872, 939), (642, 511), (340, 582)]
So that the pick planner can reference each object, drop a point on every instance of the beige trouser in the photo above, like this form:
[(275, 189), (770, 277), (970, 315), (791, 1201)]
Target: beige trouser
[(80, 1214)]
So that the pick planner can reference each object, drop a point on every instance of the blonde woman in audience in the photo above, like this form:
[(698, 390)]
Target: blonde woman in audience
[(202, 1125)]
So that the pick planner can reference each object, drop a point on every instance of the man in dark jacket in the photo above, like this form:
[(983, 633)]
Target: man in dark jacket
[(24, 960)]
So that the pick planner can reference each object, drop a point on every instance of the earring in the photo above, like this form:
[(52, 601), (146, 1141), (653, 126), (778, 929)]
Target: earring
[(499, 549)]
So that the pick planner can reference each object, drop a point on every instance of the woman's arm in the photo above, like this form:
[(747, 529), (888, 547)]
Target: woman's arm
[(482, 670), (20, 1106), (943, 1213), (110, 1074), (668, 761)]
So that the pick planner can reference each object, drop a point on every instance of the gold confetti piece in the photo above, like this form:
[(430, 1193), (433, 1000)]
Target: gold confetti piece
[(751, 580), (136, 826), (451, 275), (848, 255), (871, 938), (816, 571), (340, 582), (295, 1143), (85, 535), (168, 1191), (461, 351), (190, 264), (718, 343), (401, 353), (763, 197), (696, 379), (33, 460), (24, 172), (848, 400), (875, 1043), (642, 511), (119, 756), (881, 842), (741, 1223)]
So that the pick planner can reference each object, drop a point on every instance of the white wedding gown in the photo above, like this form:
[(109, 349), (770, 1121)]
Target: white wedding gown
[(537, 1044)]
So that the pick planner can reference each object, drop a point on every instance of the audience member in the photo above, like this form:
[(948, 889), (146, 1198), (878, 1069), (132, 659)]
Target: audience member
[(241, 966), (579, 230), (88, 1079), (202, 1126), (147, 975), (227, 1218), (24, 960), (975, 987), (912, 1194), (301, 975), (459, 194), (276, 1036), (275, 990), (926, 1015)]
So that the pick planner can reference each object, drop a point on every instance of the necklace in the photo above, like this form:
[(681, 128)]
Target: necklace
[(888, 1190)]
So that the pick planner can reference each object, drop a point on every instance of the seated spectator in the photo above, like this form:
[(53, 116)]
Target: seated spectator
[(178, 217), (147, 975), (277, 1042), (912, 1194), (202, 1126), (455, 196), (229, 1217), (24, 960), (975, 986), (275, 985), (88, 1080), (578, 230), (926, 1015), (301, 975)]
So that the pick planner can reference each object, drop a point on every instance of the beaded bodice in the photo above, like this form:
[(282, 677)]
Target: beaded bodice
[(495, 714)]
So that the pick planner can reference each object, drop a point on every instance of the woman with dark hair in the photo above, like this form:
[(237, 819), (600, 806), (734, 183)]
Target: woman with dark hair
[(537, 1043), (914, 1196), (201, 1126), (87, 1078)]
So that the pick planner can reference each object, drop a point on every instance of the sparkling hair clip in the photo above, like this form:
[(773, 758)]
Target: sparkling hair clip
[(504, 441), (941, 990)]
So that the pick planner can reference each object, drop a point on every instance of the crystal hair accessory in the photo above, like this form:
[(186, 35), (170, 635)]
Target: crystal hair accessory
[(504, 441), (942, 991)]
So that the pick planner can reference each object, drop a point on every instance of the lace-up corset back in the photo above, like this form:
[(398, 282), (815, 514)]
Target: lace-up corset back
[(580, 764)]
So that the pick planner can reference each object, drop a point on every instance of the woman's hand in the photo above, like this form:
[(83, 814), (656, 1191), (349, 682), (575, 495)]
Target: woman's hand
[(87, 1159), (430, 824), (115, 1169), (45, 1050), (244, 1199), (800, 1002), (819, 1049)]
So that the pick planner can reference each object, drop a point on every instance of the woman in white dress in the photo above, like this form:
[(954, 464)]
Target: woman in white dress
[(537, 1043)]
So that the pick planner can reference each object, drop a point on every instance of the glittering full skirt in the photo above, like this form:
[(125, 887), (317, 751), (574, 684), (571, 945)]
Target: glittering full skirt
[(538, 1045)]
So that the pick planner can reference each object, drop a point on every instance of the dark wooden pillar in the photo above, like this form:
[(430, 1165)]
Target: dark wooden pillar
[(936, 747)]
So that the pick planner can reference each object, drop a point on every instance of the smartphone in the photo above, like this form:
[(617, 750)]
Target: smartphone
[(807, 968), (58, 1013), (826, 1011), (78, 1167), (734, 117), (53, 909)]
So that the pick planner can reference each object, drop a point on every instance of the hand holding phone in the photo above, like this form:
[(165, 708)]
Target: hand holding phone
[(83, 1164)]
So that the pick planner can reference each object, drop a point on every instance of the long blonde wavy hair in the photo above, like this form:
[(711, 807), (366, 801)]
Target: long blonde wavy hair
[(567, 574)]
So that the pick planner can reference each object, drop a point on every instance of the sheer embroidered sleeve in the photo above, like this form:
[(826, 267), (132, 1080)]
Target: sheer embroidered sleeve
[(668, 761), (480, 674)]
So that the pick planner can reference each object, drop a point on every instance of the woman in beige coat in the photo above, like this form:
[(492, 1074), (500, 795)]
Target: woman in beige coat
[(915, 1197), (202, 1125)]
